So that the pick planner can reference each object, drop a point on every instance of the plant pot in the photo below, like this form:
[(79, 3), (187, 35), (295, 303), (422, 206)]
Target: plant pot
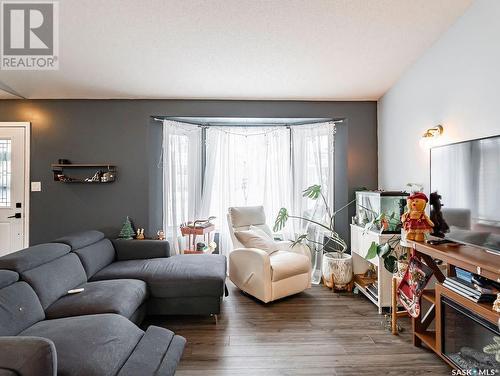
[(337, 266)]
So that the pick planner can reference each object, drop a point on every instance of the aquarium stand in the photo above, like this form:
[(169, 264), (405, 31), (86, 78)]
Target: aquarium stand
[(378, 291)]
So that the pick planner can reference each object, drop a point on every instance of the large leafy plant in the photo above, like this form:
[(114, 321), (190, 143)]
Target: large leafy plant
[(314, 192)]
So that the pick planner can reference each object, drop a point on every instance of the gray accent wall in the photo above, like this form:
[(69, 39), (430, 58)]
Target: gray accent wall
[(122, 132)]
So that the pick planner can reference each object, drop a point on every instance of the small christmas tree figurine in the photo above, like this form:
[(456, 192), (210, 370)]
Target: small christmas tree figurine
[(127, 232)]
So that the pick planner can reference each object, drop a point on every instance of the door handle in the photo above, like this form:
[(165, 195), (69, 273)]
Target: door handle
[(17, 215)]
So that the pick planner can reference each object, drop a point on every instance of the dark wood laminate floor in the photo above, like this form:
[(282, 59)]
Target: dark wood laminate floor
[(316, 332)]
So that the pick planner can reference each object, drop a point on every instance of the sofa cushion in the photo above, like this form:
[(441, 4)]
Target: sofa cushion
[(32, 257), (96, 256), (172, 357), (53, 279), (144, 249), (288, 264), (120, 296), (81, 239), (187, 275), (157, 353), (93, 345), (177, 276), (132, 269), (94, 251), (19, 308), (8, 277)]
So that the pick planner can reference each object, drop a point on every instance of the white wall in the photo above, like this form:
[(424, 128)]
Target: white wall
[(455, 83)]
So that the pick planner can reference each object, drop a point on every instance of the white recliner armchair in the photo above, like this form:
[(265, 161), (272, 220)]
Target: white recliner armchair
[(266, 275)]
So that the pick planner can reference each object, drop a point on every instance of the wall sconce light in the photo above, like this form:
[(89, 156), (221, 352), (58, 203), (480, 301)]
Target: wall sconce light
[(430, 136)]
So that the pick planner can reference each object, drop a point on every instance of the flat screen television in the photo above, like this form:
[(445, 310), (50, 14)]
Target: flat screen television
[(467, 177)]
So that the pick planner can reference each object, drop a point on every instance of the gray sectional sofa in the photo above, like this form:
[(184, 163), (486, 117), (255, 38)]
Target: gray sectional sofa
[(46, 331)]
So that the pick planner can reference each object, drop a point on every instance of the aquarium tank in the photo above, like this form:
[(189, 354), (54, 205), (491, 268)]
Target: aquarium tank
[(383, 209)]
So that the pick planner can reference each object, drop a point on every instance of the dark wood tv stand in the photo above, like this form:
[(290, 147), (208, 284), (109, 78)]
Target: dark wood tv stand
[(472, 259)]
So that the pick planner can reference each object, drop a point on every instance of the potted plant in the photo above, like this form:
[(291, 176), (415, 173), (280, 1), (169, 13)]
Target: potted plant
[(336, 262), (393, 254)]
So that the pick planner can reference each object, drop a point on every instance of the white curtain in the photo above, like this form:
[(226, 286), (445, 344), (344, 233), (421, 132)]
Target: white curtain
[(246, 166), (182, 177), (313, 163)]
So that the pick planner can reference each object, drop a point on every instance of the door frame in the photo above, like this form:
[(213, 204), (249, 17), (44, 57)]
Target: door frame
[(27, 153)]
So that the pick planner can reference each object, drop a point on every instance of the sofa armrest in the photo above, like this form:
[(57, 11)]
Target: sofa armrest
[(140, 249), (157, 353), (28, 356), (250, 270), (299, 248)]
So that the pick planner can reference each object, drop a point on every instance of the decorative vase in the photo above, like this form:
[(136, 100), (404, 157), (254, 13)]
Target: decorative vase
[(316, 268), (338, 265)]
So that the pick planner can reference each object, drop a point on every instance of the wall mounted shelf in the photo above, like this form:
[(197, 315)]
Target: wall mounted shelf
[(60, 176)]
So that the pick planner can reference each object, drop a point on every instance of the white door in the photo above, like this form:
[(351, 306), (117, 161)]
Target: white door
[(13, 187)]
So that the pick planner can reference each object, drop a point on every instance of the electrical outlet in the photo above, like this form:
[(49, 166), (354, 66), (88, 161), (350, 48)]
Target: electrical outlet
[(36, 186)]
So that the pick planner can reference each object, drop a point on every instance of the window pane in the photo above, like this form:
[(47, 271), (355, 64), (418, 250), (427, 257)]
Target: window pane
[(317, 166), (5, 172)]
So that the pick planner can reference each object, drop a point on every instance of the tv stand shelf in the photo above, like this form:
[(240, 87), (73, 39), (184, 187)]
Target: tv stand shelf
[(474, 260)]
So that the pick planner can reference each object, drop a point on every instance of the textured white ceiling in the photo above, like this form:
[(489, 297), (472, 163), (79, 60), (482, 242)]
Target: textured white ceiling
[(236, 49)]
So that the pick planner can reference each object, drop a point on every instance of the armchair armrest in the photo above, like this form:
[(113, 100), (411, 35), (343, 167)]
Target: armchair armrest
[(299, 248), (250, 270), (140, 249), (28, 356)]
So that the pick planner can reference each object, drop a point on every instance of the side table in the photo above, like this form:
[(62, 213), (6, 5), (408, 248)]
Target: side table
[(192, 232)]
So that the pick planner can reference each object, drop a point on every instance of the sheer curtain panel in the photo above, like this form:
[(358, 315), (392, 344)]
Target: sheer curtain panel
[(182, 177), (246, 166), (313, 163)]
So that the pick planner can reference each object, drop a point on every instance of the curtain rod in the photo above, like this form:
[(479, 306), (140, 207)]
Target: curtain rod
[(208, 124)]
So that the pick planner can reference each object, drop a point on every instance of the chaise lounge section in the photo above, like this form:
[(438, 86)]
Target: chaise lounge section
[(177, 285)]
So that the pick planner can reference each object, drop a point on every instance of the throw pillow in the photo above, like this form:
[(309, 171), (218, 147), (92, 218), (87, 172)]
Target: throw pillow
[(263, 229), (256, 239)]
